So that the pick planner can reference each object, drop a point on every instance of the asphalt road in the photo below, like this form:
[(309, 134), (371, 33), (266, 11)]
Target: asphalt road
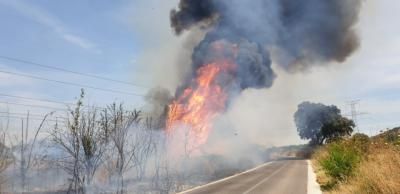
[(278, 177)]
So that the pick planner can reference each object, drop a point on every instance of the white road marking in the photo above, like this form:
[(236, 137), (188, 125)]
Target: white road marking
[(312, 185), (227, 178), (265, 179)]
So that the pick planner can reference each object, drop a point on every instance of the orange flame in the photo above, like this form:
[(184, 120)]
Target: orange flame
[(199, 104)]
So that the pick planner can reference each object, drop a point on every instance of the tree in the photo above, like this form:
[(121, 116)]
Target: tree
[(318, 122), (84, 143), (118, 125), (337, 128)]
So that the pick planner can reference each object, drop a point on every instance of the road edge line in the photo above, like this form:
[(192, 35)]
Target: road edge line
[(312, 185), (226, 178)]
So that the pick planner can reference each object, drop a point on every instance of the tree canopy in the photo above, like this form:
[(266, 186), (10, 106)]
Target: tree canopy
[(319, 123)]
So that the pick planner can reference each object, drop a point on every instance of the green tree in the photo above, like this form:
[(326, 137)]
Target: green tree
[(337, 128), (318, 122)]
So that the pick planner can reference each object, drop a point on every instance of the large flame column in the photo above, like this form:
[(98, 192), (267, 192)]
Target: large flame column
[(203, 100)]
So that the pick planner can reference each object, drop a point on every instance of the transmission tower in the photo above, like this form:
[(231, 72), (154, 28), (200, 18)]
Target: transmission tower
[(354, 113)]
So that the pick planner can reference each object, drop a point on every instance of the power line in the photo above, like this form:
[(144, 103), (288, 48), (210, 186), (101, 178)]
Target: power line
[(37, 99), (30, 115), (35, 106), (46, 100), (70, 71), (46, 107), (51, 101), (70, 83), (37, 119), (22, 114)]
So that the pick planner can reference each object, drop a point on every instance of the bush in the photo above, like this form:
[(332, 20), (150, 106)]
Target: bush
[(360, 165), (391, 137), (334, 140), (360, 142), (379, 173), (340, 162)]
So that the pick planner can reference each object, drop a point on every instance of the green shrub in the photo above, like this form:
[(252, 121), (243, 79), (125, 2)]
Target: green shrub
[(341, 161)]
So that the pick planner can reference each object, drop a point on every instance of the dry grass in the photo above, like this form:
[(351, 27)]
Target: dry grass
[(322, 178), (379, 173)]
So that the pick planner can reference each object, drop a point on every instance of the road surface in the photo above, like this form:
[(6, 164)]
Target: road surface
[(278, 177)]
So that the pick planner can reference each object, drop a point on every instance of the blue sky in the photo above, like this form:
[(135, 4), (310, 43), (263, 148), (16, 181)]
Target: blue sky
[(132, 41), (77, 35), (80, 36)]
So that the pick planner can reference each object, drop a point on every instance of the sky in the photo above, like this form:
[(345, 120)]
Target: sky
[(80, 36), (132, 41)]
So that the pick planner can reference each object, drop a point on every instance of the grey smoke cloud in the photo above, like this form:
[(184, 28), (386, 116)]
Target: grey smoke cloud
[(295, 34)]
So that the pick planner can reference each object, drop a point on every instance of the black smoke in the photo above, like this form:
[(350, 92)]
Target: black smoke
[(297, 34), (192, 12)]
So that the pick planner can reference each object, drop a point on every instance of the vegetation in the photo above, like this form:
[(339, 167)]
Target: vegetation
[(84, 144), (320, 123), (104, 150), (360, 164), (110, 142), (6, 158), (340, 163), (337, 128)]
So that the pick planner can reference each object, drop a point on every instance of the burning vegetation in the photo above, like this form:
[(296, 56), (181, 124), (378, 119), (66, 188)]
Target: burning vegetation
[(204, 99)]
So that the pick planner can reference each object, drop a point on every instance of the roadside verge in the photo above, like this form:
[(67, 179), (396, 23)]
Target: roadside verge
[(312, 185)]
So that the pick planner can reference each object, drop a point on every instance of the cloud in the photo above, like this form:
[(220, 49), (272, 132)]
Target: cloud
[(44, 18), (81, 42)]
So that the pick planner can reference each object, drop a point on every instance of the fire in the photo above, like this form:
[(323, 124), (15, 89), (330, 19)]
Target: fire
[(199, 104)]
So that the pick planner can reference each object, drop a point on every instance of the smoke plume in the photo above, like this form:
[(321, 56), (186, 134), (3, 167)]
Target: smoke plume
[(296, 34), (242, 40)]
